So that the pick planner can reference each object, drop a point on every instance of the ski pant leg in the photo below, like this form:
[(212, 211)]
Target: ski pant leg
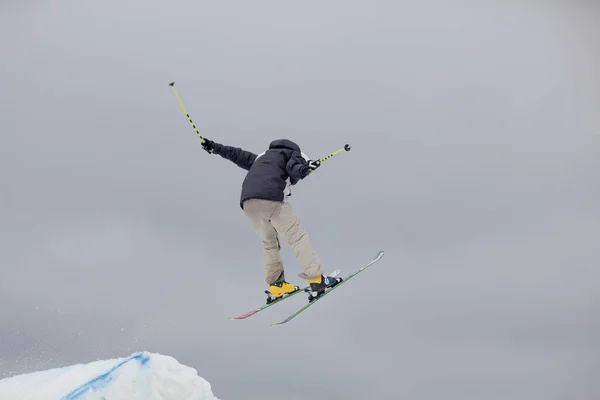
[(259, 212), (287, 223)]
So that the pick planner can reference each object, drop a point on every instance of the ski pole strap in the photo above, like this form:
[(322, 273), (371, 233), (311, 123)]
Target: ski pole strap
[(172, 84), (345, 148)]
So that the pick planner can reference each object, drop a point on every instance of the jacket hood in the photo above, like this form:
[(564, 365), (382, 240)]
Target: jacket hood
[(284, 144)]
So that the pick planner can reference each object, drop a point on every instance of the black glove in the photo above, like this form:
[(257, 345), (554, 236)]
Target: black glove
[(310, 167), (208, 145)]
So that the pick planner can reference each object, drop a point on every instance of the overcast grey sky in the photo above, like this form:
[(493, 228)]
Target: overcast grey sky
[(475, 165)]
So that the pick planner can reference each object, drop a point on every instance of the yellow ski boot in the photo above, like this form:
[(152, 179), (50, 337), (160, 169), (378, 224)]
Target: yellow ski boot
[(279, 290)]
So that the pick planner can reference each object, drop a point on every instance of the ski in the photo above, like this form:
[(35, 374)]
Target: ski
[(298, 312), (287, 296)]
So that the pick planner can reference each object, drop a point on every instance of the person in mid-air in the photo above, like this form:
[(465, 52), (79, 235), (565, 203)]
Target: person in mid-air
[(263, 199)]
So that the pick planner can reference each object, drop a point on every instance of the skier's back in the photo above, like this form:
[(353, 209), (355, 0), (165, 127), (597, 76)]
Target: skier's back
[(263, 199)]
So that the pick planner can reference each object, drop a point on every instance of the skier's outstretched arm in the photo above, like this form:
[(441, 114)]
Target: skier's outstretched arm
[(242, 158)]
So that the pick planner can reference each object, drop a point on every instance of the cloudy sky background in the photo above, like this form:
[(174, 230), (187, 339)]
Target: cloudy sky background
[(475, 165)]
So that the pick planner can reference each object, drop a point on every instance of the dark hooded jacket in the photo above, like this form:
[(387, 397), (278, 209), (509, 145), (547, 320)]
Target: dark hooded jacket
[(268, 172)]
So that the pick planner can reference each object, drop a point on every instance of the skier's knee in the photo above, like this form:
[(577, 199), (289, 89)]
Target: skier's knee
[(296, 236), (271, 244)]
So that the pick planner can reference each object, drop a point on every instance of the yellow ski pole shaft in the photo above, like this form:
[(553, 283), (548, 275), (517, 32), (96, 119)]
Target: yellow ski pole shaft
[(172, 84), (319, 161)]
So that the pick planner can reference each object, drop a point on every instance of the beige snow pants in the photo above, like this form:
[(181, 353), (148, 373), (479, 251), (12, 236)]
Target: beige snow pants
[(270, 219)]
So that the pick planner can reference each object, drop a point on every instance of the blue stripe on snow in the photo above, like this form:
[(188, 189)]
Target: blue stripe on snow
[(101, 381)]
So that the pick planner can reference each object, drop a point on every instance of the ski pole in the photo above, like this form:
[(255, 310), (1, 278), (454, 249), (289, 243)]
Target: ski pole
[(172, 84), (319, 161)]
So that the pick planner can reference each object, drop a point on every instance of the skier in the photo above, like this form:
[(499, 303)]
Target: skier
[(263, 199)]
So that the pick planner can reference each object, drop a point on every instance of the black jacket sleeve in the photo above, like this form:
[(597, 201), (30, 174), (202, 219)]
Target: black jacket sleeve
[(297, 168), (242, 158)]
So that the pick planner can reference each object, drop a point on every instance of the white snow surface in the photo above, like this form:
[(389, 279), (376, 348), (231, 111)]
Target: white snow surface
[(141, 376)]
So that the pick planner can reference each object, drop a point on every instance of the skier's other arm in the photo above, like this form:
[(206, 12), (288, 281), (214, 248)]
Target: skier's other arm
[(242, 158), (299, 167)]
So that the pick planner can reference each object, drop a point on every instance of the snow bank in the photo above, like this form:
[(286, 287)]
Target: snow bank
[(141, 376)]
